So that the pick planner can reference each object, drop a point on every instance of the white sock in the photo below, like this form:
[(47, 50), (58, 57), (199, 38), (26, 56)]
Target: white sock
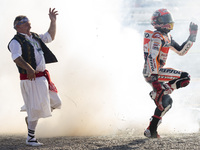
[(32, 125), (31, 129), (31, 134)]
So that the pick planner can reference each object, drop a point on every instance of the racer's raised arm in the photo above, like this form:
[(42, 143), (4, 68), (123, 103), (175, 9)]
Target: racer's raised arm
[(184, 48)]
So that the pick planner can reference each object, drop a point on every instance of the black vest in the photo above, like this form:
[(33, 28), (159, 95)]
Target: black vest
[(28, 51)]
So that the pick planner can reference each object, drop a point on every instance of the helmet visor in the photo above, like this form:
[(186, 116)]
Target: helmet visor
[(165, 19)]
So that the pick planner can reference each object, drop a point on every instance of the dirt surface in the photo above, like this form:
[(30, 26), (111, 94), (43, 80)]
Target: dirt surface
[(114, 142)]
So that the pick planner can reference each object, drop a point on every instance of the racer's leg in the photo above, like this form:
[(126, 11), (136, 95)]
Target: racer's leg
[(183, 81), (151, 131), (167, 104), (156, 119), (171, 79), (175, 79)]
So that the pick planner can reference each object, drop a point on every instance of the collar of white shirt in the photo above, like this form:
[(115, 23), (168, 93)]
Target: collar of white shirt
[(26, 36)]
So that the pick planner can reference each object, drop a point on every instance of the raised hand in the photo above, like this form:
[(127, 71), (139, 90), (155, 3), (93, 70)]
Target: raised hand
[(52, 14)]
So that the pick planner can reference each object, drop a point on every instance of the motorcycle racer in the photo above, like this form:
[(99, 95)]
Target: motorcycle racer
[(163, 80)]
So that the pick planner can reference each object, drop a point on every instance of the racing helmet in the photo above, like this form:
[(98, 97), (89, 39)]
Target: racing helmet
[(162, 20)]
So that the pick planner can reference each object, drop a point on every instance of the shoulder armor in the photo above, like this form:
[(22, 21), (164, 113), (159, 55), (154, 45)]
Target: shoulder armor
[(148, 33), (157, 35)]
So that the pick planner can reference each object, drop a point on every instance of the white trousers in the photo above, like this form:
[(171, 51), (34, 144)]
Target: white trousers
[(38, 99)]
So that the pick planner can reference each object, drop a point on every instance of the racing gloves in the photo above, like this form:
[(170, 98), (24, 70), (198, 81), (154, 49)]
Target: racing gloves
[(193, 31)]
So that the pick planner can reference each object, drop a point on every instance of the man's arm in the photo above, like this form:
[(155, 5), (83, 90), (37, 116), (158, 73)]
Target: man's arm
[(52, 28), (23, 64), (184, 48)]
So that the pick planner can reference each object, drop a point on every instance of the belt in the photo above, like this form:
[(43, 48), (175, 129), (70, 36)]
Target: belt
[(24, 76), (46, 74)]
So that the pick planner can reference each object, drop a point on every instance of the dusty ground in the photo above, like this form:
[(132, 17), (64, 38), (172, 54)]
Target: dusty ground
[(117, 142)]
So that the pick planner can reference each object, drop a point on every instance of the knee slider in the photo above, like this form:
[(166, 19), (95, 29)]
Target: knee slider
[(184, 83)]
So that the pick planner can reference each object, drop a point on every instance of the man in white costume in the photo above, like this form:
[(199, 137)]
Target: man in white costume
[(30, 55)]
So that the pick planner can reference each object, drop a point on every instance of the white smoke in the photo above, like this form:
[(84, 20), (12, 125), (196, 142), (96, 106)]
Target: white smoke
[(99, 73)]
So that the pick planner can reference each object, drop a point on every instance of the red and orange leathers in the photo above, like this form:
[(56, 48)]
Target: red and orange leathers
[(156, 48)]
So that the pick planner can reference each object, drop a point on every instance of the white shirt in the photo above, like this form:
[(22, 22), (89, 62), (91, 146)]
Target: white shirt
[(16, 49)]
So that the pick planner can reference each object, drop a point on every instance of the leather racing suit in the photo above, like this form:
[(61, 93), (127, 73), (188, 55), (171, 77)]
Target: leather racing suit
[(156, 48)]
